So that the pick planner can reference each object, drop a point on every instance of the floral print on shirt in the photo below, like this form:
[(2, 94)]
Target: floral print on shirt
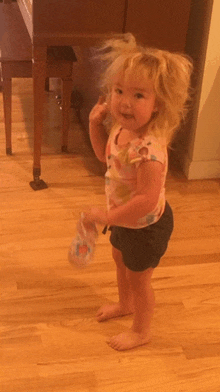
[(122, 167)]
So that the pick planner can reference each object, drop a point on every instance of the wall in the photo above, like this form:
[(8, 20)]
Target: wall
[(199, 143)]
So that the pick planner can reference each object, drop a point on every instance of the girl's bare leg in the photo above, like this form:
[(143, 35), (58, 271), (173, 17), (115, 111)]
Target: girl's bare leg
[(144, 304), (125, 304)]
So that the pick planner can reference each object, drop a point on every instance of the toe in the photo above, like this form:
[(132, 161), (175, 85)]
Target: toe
[(114, 343), (99, 313), (99, 318)]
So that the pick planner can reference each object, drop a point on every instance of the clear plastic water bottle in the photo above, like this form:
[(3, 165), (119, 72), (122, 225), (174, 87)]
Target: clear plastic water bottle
[(82, 247)]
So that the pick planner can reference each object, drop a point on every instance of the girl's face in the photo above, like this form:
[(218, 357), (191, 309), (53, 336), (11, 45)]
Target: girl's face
[(132, 103)]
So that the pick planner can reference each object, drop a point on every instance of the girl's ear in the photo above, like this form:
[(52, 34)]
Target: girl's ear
[(156, 109), (157, 106)]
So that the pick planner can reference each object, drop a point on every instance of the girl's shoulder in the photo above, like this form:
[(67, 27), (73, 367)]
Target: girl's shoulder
[(148, 147)]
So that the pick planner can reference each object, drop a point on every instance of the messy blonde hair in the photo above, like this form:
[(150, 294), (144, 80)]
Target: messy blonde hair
[(169, 72)]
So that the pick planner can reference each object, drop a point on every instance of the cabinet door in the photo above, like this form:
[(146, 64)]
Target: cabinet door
[(78, 16), (159, 23)]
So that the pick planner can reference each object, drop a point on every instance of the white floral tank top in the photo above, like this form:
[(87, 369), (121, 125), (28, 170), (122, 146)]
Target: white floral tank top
[(121, 175)]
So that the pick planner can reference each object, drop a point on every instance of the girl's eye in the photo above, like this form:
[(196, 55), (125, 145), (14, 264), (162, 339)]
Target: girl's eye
[(118, 91), (139, 95)]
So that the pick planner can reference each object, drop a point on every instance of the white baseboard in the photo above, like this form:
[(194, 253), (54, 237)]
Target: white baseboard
[(197, 170)]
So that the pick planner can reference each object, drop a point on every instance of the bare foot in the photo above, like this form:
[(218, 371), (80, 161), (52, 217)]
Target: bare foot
[(112, 310), (128, 340)]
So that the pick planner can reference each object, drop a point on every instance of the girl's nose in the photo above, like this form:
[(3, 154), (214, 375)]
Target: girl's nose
[(125, 102)]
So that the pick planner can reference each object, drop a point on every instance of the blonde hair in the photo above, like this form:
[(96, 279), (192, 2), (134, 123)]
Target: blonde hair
[(169, 72)]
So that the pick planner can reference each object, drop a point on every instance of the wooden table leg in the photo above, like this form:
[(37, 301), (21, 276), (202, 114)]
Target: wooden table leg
[(39, 76), (66, 104), (7, 99)]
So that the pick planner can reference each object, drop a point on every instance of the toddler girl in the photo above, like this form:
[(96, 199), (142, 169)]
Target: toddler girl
[(145, 90)]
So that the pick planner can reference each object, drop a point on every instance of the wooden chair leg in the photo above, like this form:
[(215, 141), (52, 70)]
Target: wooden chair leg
[(66, 104), (39, 76), (7, 103), (47, 84)]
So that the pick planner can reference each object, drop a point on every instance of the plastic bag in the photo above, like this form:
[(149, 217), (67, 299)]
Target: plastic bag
[(82, 247)]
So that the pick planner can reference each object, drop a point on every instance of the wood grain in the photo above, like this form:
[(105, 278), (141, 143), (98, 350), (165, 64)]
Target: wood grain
[(50, 340)]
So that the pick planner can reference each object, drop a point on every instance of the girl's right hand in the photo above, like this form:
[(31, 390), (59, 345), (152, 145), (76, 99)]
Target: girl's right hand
[(99, 112)]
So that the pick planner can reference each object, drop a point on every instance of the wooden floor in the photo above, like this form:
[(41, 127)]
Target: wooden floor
[(50, 340)]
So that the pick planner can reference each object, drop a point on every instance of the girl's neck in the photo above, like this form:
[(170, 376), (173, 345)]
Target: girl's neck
[(137, 133), (125, 136)]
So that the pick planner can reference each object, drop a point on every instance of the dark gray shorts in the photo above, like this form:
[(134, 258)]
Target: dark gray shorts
[(143, 248)]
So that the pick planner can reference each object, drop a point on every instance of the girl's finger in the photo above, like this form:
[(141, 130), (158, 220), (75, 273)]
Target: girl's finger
[(101, 99)]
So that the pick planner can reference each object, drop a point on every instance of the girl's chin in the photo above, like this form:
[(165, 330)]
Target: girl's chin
[(129, 125)]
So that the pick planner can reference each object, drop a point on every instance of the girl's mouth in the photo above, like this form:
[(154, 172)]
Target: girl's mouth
[(127, 116)]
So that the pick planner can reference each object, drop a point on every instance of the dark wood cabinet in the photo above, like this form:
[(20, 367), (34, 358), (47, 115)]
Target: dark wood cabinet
[(87, 16), (156, 23), (162, 24), (62, 22)]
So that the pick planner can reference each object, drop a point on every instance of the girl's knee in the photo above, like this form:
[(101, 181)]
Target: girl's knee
[(140, 279)]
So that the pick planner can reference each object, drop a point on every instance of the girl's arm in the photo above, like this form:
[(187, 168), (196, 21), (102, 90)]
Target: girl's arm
[(148, 190), (97, 131)]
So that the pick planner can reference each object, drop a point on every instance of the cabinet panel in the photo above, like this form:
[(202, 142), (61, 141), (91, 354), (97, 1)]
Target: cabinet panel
[(157, 23), (77, 16)]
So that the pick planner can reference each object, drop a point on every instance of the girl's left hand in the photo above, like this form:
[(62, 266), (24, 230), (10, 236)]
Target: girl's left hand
[(97, 215)]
